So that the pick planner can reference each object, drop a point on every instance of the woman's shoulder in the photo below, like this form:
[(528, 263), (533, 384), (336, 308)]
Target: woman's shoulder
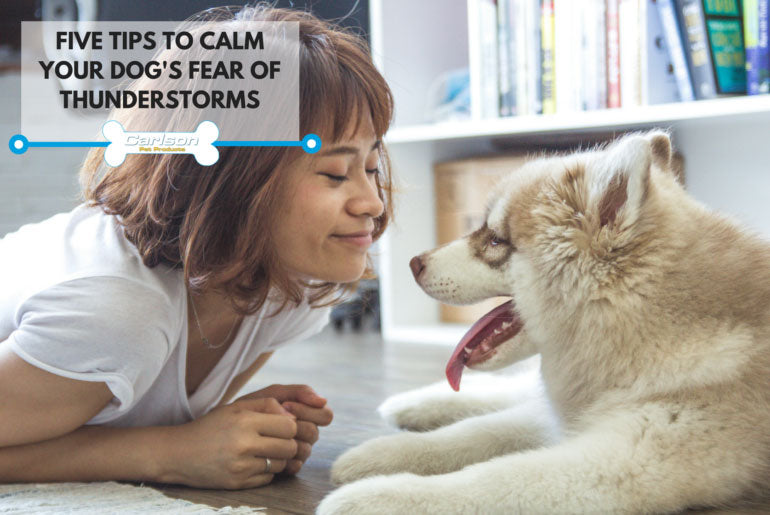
[(85, 242), (81, 251)]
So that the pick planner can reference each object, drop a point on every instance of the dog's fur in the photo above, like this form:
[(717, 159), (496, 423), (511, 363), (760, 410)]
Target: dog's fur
[(651, 316)]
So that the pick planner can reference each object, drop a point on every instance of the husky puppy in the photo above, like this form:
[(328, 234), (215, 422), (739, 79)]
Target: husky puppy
[(651, 316)]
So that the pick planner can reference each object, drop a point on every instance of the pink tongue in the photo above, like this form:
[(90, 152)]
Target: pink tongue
[(475, 335)]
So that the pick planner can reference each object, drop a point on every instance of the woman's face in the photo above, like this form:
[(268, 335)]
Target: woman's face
[(328, 205)]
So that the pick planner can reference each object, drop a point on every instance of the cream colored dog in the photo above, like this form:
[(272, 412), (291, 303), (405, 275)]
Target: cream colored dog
[(651, 316)]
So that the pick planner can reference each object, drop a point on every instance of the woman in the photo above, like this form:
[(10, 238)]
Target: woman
[(128, 324)]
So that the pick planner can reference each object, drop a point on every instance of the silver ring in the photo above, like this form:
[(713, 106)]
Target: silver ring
[(268, 465)]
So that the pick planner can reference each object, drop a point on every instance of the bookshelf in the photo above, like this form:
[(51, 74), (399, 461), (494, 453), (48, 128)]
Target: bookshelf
[(725, 142)]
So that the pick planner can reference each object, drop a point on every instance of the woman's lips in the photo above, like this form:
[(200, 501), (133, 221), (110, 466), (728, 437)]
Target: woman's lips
[(361, 239)]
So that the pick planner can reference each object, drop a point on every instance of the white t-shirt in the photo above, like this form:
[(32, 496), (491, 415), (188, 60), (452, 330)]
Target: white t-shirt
[(77, 301)]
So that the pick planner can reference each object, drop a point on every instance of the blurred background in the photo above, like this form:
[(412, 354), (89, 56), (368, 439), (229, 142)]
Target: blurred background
[(481, 86)]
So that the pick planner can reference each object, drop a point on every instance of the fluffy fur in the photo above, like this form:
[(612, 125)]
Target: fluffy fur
[(651, 316)]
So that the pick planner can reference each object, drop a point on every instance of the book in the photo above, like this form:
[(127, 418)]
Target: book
[(533, 75), (632, 40), (483, 61), (613, 54), (714, 46), (659, 81), (764, 46), (566, 53), (507, 66), (547, 59), (755, 25), (593, 55), (674, 45), (724, 26)]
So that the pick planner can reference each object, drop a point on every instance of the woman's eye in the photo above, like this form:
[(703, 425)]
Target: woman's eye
[(373, 171), (335, 178)]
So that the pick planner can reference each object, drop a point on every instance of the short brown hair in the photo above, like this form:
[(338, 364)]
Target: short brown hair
[(214, 221)]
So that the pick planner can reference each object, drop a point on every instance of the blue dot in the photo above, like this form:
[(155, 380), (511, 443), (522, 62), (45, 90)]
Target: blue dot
[(311, 143), (18, 144)]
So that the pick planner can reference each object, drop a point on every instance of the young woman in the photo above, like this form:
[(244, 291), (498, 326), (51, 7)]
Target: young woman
[(128, 324)]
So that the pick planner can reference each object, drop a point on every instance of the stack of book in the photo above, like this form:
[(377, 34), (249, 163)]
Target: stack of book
[(547, 56)]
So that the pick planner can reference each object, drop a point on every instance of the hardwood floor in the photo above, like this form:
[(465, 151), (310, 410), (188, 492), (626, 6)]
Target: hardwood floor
[(355, 372)]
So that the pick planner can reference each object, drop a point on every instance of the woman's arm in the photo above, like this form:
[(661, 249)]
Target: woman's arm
[(36, 405), (226, 448), (42, 436), (90, 453)]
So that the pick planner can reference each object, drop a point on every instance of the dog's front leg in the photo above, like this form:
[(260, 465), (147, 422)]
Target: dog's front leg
[(647, 462), (526, 426), (437, 405)]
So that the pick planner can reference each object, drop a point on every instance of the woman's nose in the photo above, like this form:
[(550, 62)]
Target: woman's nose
[(366, 200)]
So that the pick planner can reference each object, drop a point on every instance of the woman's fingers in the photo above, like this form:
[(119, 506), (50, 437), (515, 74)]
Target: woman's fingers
[(303, 451), (318, 416), (293, 467), (306, 432), (278, 426), (274, 448), (290, 392)]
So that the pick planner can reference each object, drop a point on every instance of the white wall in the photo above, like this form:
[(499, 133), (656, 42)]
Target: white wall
[(38, 183)]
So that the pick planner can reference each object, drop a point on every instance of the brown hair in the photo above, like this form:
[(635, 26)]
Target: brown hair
[(214, 221)]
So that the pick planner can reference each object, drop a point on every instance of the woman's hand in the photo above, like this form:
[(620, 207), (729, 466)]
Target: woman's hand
[(226, 448), (311, 412)]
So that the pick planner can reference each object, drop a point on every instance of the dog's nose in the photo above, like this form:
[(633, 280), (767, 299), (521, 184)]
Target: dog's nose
[(417, 266)]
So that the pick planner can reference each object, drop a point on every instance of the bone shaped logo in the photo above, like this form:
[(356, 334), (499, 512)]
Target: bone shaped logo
[(198, 143)]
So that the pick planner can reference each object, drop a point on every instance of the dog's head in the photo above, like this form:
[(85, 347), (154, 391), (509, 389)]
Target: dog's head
[(558, 233)]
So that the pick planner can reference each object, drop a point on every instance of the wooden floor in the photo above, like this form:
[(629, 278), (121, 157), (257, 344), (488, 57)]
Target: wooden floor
[(355, 372)]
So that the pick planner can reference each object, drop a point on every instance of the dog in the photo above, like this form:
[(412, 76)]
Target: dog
[(651, 318)]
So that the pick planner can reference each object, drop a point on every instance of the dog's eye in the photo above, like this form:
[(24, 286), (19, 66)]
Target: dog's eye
[(495, 241)]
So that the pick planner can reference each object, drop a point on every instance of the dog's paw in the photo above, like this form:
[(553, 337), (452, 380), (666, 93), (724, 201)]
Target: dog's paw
[(425, 409), (371, 496), (384, 455), (388, 495)]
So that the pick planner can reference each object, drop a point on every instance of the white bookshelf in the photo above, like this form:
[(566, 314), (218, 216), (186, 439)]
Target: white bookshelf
[(725, 142)]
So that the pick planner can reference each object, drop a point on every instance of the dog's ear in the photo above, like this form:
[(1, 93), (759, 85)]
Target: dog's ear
[(621, 177)]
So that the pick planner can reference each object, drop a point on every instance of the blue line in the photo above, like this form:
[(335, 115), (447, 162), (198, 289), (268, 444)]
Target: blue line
[(216, 143), (68, 143), (257, 143)]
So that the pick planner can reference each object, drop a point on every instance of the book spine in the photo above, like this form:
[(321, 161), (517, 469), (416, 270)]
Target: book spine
[(601, 52), (563, 48), (482, 50), (659, 81), (751, 43), (630, 53), (534, 79), (613, 54), (520, 36), (590, 56), (548, 66), (673, 37), (724, 27), (693, 28), (506, 70), (764, 46)]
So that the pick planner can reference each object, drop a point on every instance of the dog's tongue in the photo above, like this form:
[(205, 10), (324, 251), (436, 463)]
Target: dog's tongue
[(483, 328)]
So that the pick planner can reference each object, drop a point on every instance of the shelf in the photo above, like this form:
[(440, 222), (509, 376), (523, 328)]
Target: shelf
[(582, 121)]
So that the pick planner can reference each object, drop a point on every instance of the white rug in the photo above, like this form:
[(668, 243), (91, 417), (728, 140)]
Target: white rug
[(102, 498)]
